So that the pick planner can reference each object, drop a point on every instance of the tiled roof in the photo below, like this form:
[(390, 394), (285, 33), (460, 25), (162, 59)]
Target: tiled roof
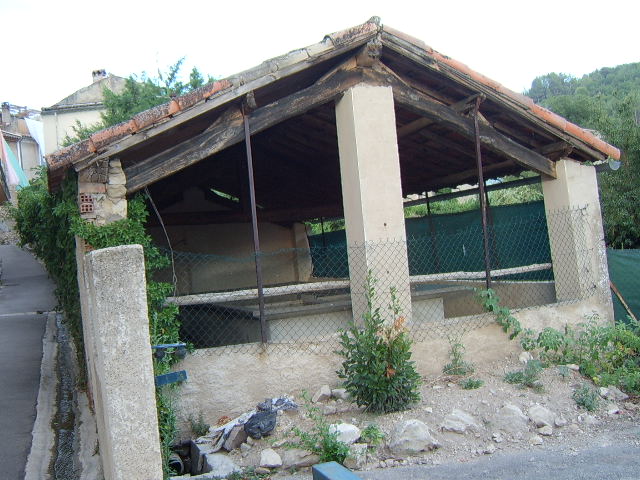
[(60, 160)]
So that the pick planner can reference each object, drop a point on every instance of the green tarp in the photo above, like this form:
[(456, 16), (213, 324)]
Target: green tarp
[(624, 272)]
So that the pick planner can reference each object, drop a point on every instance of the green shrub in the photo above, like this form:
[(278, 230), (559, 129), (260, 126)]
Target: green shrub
[(198, 426), (527, 377), (457, 366), (471, 383), (586, 397), (372, 435), (378, 372), (321, 440)]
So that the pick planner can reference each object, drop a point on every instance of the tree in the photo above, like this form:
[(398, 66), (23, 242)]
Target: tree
[(140, 93)]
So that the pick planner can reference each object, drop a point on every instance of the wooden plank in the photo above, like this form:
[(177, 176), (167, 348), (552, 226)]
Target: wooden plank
[(227, 134), (503, 272), (489, 137)]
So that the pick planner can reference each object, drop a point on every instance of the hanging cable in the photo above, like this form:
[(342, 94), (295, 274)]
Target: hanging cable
[(173, 263)]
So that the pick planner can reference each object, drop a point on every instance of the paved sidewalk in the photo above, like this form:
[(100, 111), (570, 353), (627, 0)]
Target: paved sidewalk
[(25, 291)]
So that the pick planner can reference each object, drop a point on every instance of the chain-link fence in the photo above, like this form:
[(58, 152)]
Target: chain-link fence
[(309, 294)]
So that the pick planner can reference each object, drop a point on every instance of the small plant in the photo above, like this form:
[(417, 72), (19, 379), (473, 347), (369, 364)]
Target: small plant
[(372, 435), (248, 474), (457, 366), (491, 303), (527, 377), (471, 383), (586, 397), (198, 426), (377, 369), (564, 371), (321, 440)]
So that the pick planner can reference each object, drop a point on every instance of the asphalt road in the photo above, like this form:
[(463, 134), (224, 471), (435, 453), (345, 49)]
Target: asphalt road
[(25, 290)]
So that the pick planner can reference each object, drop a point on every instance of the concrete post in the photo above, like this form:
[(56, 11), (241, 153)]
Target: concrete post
[(576, 237), (372, 196), (121, 366)]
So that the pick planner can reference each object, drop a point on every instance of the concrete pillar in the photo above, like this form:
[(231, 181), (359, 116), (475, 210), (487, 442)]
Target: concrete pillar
[(372, 196), (576, 235), (121, 367)]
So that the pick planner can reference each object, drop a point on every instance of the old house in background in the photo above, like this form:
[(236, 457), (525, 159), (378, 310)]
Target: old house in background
[(349, 127), (84, 106)]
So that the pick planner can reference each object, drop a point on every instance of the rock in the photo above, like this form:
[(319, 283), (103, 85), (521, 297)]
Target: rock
[(541, 416), (437, 387), (560, 421), (410, 437), (428, 409), (459, 422), (322, 395), (497, 437), (546, 431), (245, 447), (262, 471), (220, 465), (573, 366), (489, 449), (511, 419), (347, 433), (269, 458), (616, 395), (299, 458), (198, 452), (329, 410), (340, 393), (588, 419), (261, 424), (573, 428), (613, 409), (357, 457), (536, 440), (525, 357), (250, 441), (632, 407), (237, 436)]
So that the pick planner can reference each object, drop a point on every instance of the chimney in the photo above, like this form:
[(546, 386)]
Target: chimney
[(6, 113), (99, 75)]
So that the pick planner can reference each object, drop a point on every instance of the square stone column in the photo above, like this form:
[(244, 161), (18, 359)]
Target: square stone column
[(576, 235), (372, 196)]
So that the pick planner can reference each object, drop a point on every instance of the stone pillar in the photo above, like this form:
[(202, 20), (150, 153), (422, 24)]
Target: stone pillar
[(372, 196), (102, 192), (121, 367), (576, 235)]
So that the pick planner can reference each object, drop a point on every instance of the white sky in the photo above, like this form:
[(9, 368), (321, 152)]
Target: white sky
[(50, 47)]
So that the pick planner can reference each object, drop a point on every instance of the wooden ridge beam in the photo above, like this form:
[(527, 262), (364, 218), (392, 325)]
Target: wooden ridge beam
[(490, 138), (231, 132)]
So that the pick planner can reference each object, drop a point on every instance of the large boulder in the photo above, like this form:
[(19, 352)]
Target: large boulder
[(357, 457), (220, 465), (269, 458), (542, 416), (410, 437), (511, 419), (299, 458), (459, 421), (346, 432), (322, 395)]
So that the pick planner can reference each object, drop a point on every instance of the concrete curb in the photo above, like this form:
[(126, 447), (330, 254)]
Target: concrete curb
[(43, 438)]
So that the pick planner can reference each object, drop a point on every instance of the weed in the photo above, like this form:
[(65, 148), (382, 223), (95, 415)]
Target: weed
[(527, 377), (198, 426), (586, 397), (457, 366), (378, 371), (472, 383), (372, 435), (564, 371), (321, 440), (248, 474)]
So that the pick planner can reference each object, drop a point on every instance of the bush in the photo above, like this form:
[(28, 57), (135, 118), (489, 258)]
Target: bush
[(457, 366), (372, 435), (586, 397), (527, 377), (472, 383), (377, 369)]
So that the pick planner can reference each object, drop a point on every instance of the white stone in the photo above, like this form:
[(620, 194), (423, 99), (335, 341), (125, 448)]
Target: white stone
[(340, 393), (410, 437), (613, 409), (573, 366), (560, 421), (428, 409), (615, 394), (497, 437), (489, 449), (299, 458), (536, 440), (269, 458), (347, 433), (357, 457), (511, 419), (459, 421), (322, 395), (546, 431), (220, 465), (541, 416), (525, 357)]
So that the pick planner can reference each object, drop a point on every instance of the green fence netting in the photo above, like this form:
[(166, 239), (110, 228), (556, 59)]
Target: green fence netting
[(454, 242), (624, 271)]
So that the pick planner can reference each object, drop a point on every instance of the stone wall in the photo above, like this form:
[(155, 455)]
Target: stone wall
[(102, 195)]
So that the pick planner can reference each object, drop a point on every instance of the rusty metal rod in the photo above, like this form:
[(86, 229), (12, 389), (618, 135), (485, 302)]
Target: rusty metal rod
[(264, 333), (483, 198)]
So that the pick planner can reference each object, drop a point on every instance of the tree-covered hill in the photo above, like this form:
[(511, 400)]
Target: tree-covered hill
[(608, 101)]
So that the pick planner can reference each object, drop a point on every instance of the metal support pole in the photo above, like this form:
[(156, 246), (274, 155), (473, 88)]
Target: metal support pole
[(483, 198), (254, 226)]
